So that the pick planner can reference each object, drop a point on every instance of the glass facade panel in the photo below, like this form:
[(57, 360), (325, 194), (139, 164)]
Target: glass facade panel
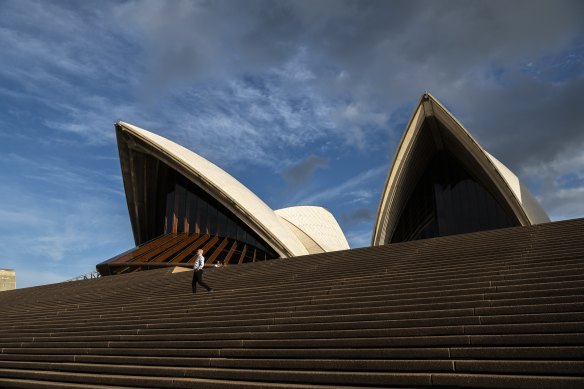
[(212, 220), (222, 224), (448, 200), (180, 208), (188, 206), (231, 229), (192, 201), (240, 234), (196, 209), (202, 211), (169, 215)]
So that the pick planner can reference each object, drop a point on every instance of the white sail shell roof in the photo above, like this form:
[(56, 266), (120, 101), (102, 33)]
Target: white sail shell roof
[(316, 228), (523, 204), (227, 190), (529, 203)]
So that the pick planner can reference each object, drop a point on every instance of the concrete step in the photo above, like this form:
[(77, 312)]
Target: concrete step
[(270, 292), (10, 383), (146, 376), (569, 368), (427, 309), (469, 322), (507, 381), (525, 352), (150, 376), (186, 383), (336, 330), (441, 336), (89, 364)]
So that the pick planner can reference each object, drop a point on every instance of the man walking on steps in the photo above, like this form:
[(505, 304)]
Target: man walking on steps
[(198, 272)]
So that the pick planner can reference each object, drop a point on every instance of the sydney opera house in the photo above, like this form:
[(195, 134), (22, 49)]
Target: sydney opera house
[(466, 283), (442, 182), (180, 202)]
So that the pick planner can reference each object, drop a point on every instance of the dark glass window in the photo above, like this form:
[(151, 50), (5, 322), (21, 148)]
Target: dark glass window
[(180, 207), (231, 229), (169, 215), (221, 224), (187, 203), (212, 220), (448, 200), (240, 234), (202, 212), (195, 211), (192, 202)]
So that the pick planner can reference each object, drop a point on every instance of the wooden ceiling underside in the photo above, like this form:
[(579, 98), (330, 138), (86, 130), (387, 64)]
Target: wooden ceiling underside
[(180, 250)]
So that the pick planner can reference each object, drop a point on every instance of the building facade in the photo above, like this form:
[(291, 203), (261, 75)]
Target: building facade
[(441, 182), (7, 279)]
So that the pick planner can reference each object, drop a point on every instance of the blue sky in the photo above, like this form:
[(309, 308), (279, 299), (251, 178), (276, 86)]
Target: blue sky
[(304, 102)]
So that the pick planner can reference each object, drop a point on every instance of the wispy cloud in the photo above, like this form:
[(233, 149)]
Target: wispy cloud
[(561, 185), (59, 219), (346, 189), (58, 173), (565, 203), (54, 53), (67, 237), (262, 121)]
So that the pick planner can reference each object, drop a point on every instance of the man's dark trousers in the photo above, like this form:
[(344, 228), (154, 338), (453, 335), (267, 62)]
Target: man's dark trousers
[(198, 277)]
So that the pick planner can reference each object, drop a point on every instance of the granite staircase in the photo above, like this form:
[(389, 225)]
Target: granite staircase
[(495, 309)]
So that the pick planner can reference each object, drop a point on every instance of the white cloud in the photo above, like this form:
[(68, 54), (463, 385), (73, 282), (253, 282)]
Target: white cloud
[(258, 123), (562, 185), (565, 203), (20, 220), (344, 190), (59, 219), (67, 238)]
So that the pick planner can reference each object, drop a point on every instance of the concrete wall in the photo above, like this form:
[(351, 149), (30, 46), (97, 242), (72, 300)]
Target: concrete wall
[(7, 279)]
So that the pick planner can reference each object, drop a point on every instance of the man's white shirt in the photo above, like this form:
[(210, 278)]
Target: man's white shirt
[(199, 263)]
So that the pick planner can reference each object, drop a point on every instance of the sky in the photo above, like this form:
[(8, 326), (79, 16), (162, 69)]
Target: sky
[(304, 102)]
